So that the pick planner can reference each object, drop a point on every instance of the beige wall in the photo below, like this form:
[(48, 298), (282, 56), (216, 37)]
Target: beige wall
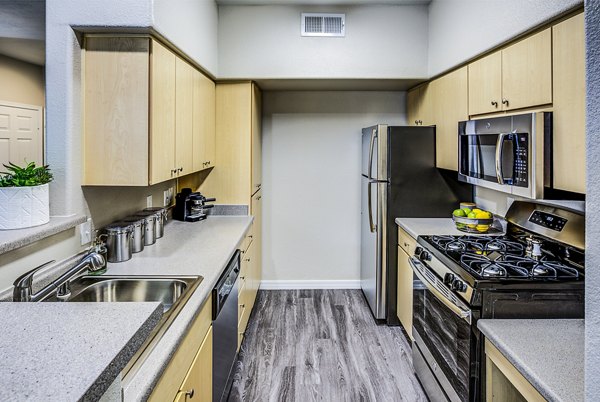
[(21, 82)]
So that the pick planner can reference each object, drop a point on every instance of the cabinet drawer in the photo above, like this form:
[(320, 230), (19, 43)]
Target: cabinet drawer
[(248, 238), (406, 241), (242, 299)]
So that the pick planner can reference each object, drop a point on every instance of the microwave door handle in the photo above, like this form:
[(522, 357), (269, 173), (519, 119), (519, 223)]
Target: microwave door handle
[(499, 155), (417, 267), (373, 136)]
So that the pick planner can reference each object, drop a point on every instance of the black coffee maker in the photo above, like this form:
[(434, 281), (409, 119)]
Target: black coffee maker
[(191, 206)]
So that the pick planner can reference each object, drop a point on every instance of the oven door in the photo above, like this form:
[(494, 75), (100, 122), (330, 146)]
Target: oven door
[(442, 347), (496, 160)]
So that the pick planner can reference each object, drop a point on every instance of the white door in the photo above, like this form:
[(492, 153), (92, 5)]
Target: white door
[(21, 135)]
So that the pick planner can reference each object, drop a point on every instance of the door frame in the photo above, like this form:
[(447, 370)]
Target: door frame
[(41, 119)]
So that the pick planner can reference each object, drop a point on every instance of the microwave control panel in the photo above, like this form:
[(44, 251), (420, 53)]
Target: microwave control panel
[(521, 167), (548, 220)]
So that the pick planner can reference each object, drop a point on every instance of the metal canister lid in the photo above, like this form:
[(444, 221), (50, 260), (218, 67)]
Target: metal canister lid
[(147, 216), (135, 220), (160, 212), (119, 227)]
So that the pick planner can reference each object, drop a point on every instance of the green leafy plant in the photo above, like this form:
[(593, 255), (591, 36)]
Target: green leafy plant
[(27, 176)]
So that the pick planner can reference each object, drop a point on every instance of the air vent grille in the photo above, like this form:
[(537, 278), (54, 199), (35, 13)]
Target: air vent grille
[(318, 24)]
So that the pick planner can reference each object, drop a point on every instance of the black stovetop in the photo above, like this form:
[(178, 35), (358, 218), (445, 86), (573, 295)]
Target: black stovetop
[(506, 257)]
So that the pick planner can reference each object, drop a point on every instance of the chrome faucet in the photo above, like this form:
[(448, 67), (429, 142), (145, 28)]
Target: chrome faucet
[(92, 261)]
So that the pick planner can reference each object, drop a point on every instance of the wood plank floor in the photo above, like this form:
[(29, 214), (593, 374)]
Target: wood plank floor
[(322, 345)]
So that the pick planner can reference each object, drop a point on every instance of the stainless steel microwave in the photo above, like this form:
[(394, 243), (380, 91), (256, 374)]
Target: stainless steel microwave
[(511, 154)]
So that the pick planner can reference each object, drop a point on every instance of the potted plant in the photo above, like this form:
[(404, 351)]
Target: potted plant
[(24, 198)]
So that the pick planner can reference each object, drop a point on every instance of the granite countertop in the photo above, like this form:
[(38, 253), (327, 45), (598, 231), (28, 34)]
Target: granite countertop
[(200, 248), (46, 348), (17, 238), (432, 226), (548, 353)]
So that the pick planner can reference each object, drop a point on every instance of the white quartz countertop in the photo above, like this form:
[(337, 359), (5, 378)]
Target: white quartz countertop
[(69, 351), (548, 353), (188, 248)]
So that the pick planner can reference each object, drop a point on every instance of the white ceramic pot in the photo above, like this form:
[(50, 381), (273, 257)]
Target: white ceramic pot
[(24, 207)]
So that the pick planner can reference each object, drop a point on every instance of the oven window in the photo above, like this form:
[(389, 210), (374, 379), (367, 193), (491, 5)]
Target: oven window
[(478, 156), (446, 336)]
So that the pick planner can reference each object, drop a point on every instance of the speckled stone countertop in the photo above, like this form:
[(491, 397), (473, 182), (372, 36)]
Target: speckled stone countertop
[(430, 226), (69, 351), (548, 353), (14, 239), (187, 248)]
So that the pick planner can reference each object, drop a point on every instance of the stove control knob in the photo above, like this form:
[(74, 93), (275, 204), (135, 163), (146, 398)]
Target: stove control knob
[(448, 279), (425, 256), (418, 251), (459, 286)]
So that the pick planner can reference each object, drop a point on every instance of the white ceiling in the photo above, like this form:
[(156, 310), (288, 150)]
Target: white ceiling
[(321, 2)]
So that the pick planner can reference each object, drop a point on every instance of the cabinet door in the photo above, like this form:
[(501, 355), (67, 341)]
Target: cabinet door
[(527, 72), (485, 84), (197, 385), (256, 266), (413, 106), (256, 139), (204, 122), (450, 107), (162, 113), (184, 109), (426, 117), (568, 53), (405, 292), (115, 142)]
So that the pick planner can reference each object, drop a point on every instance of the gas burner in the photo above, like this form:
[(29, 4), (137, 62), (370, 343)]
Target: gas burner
[(508, 246), (543, 268), (487, 267), (493, 270), (455, 245)]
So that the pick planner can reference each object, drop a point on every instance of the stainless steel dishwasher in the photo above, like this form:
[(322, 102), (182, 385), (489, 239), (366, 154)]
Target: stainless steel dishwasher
[(225, 330)]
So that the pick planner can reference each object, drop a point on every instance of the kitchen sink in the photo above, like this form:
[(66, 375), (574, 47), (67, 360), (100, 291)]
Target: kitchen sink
[(172, 291)]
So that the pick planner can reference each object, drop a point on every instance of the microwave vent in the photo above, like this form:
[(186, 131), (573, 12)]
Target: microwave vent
[(320, 24)]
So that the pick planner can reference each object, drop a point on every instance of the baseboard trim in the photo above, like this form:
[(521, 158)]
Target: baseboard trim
[(310, 284)]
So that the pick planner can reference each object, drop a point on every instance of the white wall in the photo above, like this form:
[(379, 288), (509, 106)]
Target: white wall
[(592, 253), (311, 182), (265, 42), (192, 26), (462, 29)]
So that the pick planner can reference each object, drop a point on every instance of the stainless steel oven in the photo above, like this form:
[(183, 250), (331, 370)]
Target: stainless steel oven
[(511, 154), (443, 338)]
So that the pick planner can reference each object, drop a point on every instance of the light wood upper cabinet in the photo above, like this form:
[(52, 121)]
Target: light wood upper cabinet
[(420, 106), (568, 53), (515, 77), (197, 385), (184, 91), (485, 84), (449, 100), (256, 139), (139, 112), (527, 72), (162, 114), (204, 122)]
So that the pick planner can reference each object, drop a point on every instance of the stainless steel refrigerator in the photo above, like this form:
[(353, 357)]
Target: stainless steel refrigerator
[(399, 180)]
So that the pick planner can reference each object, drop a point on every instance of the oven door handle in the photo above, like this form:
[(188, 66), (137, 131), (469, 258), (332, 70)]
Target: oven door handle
[(499, 154), (418, 269)]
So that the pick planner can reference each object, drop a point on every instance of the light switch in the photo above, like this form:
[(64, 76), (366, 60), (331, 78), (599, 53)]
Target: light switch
[(85, 232)]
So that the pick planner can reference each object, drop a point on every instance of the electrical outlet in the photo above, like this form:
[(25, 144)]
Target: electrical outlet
[(85, 232), (149, 201), (167, 197)]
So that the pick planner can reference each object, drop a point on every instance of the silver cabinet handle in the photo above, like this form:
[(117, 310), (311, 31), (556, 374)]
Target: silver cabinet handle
[(416, 122), (420, 122), (494, 103), (505, 101), (189, 393), (181, 169)]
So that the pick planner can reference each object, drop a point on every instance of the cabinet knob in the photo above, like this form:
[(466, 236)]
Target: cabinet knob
[(505, 101), (242, 305), (242, 278), (416, 122), (494, 103), (189, 393), (420, 122), (181, 169)]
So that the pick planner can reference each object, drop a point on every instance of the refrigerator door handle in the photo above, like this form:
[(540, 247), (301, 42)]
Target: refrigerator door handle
[(372, 226), (373, 136)]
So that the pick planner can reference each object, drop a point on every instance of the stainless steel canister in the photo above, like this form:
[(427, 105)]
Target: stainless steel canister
[(119, 241), (150, 229), (161, 219), (139, 232)]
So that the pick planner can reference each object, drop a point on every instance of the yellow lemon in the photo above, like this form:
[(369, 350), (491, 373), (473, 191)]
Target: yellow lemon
[(476, 210), (483, 215), (482, 228)]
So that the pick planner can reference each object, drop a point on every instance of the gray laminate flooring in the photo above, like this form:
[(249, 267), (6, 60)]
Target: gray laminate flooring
[(322, 345)]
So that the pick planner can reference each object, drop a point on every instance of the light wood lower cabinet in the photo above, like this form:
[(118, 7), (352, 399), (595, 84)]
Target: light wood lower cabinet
[(568, 54), (404, 298), (185, 360), (197, 385), (504, 382)]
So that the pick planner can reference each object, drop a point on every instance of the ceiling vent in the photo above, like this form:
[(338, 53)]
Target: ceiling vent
[(319, 24)]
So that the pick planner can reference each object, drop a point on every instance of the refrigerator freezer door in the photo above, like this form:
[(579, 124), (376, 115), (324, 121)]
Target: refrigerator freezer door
[(374, 152), (372, 272)]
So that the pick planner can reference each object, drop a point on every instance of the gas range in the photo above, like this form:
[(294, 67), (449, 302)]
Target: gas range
[(535, 270)]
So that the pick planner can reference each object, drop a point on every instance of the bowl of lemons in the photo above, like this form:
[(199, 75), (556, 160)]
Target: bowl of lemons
[(472, 220)]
